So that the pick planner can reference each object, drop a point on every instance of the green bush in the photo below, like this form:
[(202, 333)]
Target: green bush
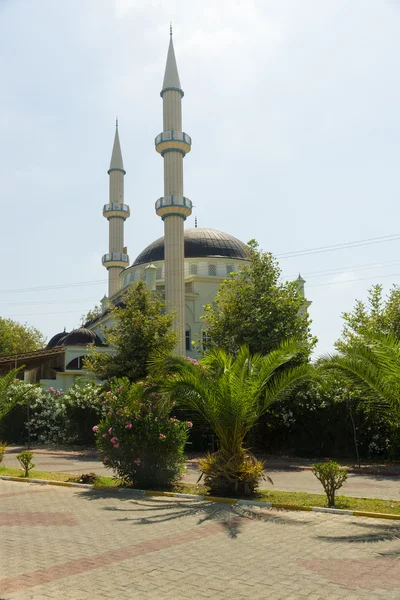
[(138, 438), (331, 476), (25, 459)]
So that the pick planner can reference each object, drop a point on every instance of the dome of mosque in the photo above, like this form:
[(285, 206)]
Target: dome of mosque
[(199, 243)]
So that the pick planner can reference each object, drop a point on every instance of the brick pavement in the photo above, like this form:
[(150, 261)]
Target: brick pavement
[(64, 543)]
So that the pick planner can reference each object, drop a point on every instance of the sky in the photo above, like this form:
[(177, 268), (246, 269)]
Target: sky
[(293, 110)]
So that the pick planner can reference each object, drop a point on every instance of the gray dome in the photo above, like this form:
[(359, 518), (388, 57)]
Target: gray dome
[(81, 337), (57, 339), (199, 243)]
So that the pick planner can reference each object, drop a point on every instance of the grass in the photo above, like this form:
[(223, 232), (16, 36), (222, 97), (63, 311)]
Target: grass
[(299, 498)]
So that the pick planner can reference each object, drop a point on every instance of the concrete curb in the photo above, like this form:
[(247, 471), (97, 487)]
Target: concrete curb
[(230, 501)]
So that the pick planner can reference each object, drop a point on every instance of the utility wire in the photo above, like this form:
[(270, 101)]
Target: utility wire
[(343, 246), (352, 280)]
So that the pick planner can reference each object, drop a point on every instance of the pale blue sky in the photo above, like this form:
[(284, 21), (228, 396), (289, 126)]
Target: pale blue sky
[(293, 108)]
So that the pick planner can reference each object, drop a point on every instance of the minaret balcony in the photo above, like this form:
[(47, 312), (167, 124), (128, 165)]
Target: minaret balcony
[(173, 140), (115, 209), (174, 205), (115, 259)]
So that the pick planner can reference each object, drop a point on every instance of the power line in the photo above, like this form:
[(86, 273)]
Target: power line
[(343, 246), (55, 287), (352, 280), (339, 270), (50, 302), (66, 312)]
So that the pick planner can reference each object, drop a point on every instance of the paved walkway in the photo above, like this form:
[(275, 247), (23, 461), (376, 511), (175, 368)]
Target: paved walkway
[(69, 544), (361, 486)]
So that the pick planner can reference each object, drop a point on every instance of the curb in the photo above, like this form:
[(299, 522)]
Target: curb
[(230, 501)]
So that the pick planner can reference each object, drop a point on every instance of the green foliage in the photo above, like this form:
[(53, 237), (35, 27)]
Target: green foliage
[(138, 438), (379, 315), (25, 460), (95, 312), (254, 308), (54, 417), (331, 476), (140, 328), (16, 338), (374, 366), (3, 446), (8, 397), (230, 394)]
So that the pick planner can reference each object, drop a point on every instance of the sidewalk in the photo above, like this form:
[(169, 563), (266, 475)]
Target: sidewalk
[(288, 475)]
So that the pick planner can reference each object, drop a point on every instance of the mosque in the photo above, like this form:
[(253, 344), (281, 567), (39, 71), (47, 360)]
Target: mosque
[(187, 266)]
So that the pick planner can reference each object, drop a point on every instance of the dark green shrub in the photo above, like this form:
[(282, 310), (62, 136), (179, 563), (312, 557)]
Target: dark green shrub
[(138, 439)]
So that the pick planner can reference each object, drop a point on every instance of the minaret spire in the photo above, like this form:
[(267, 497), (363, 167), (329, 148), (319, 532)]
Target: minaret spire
[(171, 75), (116, 212), (173, 207)]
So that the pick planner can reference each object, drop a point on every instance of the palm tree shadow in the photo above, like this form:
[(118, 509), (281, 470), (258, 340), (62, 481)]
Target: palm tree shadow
[(150, 510), (385, 532)]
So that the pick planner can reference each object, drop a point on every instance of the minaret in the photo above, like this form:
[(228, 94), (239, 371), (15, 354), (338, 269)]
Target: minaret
[(173, 207), (116, 212)]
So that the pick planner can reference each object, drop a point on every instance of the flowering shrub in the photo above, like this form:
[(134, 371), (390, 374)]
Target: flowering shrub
[(84, 406), (138, 438)]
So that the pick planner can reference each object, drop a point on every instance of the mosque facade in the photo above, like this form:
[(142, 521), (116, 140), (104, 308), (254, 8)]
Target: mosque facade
[(186, 266)]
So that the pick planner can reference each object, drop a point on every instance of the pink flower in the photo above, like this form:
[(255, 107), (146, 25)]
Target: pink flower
[(162, 436), (117, 412), (114, 440), (108, 393), (95, 429), (137, 461), (110, 413), (105, 458), (128, 426), (189, 424), (105, 435), (119, 389), (110, 431), (116, 446)]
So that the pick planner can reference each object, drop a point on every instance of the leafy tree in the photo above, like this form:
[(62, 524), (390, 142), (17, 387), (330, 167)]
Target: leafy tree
[(93, 313), (230, 394), (16, 338), (378, 315), (254, 308), (140, 328)]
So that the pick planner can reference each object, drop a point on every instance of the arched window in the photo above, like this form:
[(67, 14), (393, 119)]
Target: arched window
[(75, 364), (212, 269), (159, 273), (193, 269)]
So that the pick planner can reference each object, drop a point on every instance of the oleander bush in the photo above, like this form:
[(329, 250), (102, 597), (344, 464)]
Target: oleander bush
[(139, 438)]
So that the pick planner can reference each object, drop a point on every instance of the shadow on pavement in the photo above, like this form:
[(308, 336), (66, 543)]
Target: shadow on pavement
[(163, 509), (385, 532)]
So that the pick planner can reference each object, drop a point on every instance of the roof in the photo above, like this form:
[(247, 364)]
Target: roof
[(81, 337), (171, 76), (199, 243), (29, 359)]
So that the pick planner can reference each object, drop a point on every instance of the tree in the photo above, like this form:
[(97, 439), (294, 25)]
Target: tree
[(230, 394), (373, 365), (140, 328), (16, 338), (93, 313), (9, 394), (254, 308), (378, 315)]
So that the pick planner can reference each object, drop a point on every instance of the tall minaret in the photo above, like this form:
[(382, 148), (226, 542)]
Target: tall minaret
[(173, 207), (116, 212)]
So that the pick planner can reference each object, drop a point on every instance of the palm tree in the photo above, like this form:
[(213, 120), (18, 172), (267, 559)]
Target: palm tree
[(7, 402), (230, 394), (374, 366)]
